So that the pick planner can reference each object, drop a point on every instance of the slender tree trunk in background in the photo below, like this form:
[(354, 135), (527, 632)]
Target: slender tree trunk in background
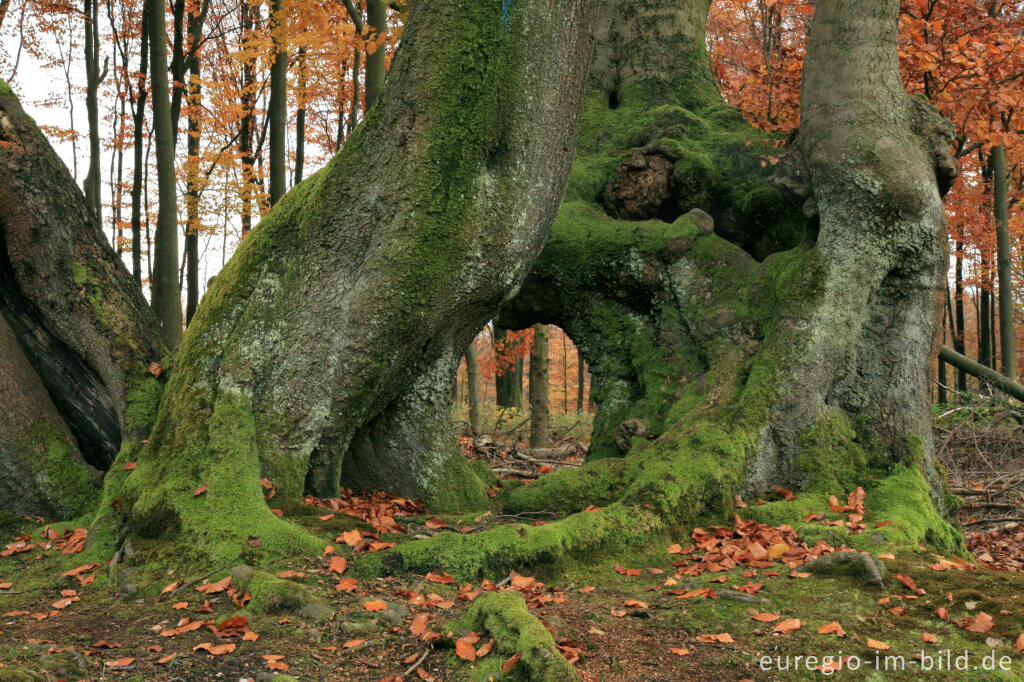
[(1007, 331), (540, 417), (166, 296), (193, 189), (942, 399), (177, 63), (565, 376), (138, 146), (992, 325), (959, 335), (300, 117), (92, 78), (377, 24), (473, 389), (984, 316), (353, 116), (508, 386), (248, 123), (278, 107), (581, 378)]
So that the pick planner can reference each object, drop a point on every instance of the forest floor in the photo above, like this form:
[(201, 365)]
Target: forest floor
[(678, 612)]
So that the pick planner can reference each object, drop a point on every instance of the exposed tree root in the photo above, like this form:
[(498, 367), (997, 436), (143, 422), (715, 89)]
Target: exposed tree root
[(505, 617)]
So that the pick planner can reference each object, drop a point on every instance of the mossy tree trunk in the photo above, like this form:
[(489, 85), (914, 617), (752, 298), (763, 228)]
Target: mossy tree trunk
[(325, 351), (76, 336), (743, 331)]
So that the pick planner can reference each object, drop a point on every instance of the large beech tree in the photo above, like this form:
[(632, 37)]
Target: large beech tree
[(748, 324)]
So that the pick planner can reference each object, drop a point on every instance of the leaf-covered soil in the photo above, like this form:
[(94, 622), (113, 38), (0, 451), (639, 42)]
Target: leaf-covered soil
[(726, 603)]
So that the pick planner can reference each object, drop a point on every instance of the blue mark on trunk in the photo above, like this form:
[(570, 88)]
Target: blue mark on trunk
[(506, 13)]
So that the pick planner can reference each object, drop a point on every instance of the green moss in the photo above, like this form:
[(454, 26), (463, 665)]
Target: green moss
[(93, 293), (66, 482), (217, 524), (5, 89), (272, 595), (903, 497), (830, 459), (504, 616)]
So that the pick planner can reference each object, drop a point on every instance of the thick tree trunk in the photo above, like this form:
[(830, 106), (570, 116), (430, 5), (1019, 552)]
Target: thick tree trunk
[(75, 332), (735, 346), (325, 350), (540, 417)]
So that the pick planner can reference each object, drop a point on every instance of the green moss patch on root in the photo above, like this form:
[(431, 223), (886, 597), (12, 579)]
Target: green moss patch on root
[(504, 616)]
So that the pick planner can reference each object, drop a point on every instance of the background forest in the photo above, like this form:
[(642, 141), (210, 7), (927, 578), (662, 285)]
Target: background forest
[(965, 57)]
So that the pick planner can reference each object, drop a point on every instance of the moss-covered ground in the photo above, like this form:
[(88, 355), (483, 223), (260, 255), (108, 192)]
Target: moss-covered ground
[(623, 625)]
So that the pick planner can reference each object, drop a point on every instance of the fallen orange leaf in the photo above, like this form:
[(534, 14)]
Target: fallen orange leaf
[(929, 637), (375, 605), (214, 588), (875, 644), (766, 617), (678, 651), (352, 643), (981, 623), (465, 649), (200, 490), (507, 666), (338, 564), (215, 649), (120, 663), (787, 626), (833, 628), (346, 584)]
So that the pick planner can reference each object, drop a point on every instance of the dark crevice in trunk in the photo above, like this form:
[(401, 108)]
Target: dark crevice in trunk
[(75, 387)]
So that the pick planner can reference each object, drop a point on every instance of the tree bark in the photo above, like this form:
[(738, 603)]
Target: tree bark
[(329, 358), (166, 294), (76, 336), (540, 417)]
